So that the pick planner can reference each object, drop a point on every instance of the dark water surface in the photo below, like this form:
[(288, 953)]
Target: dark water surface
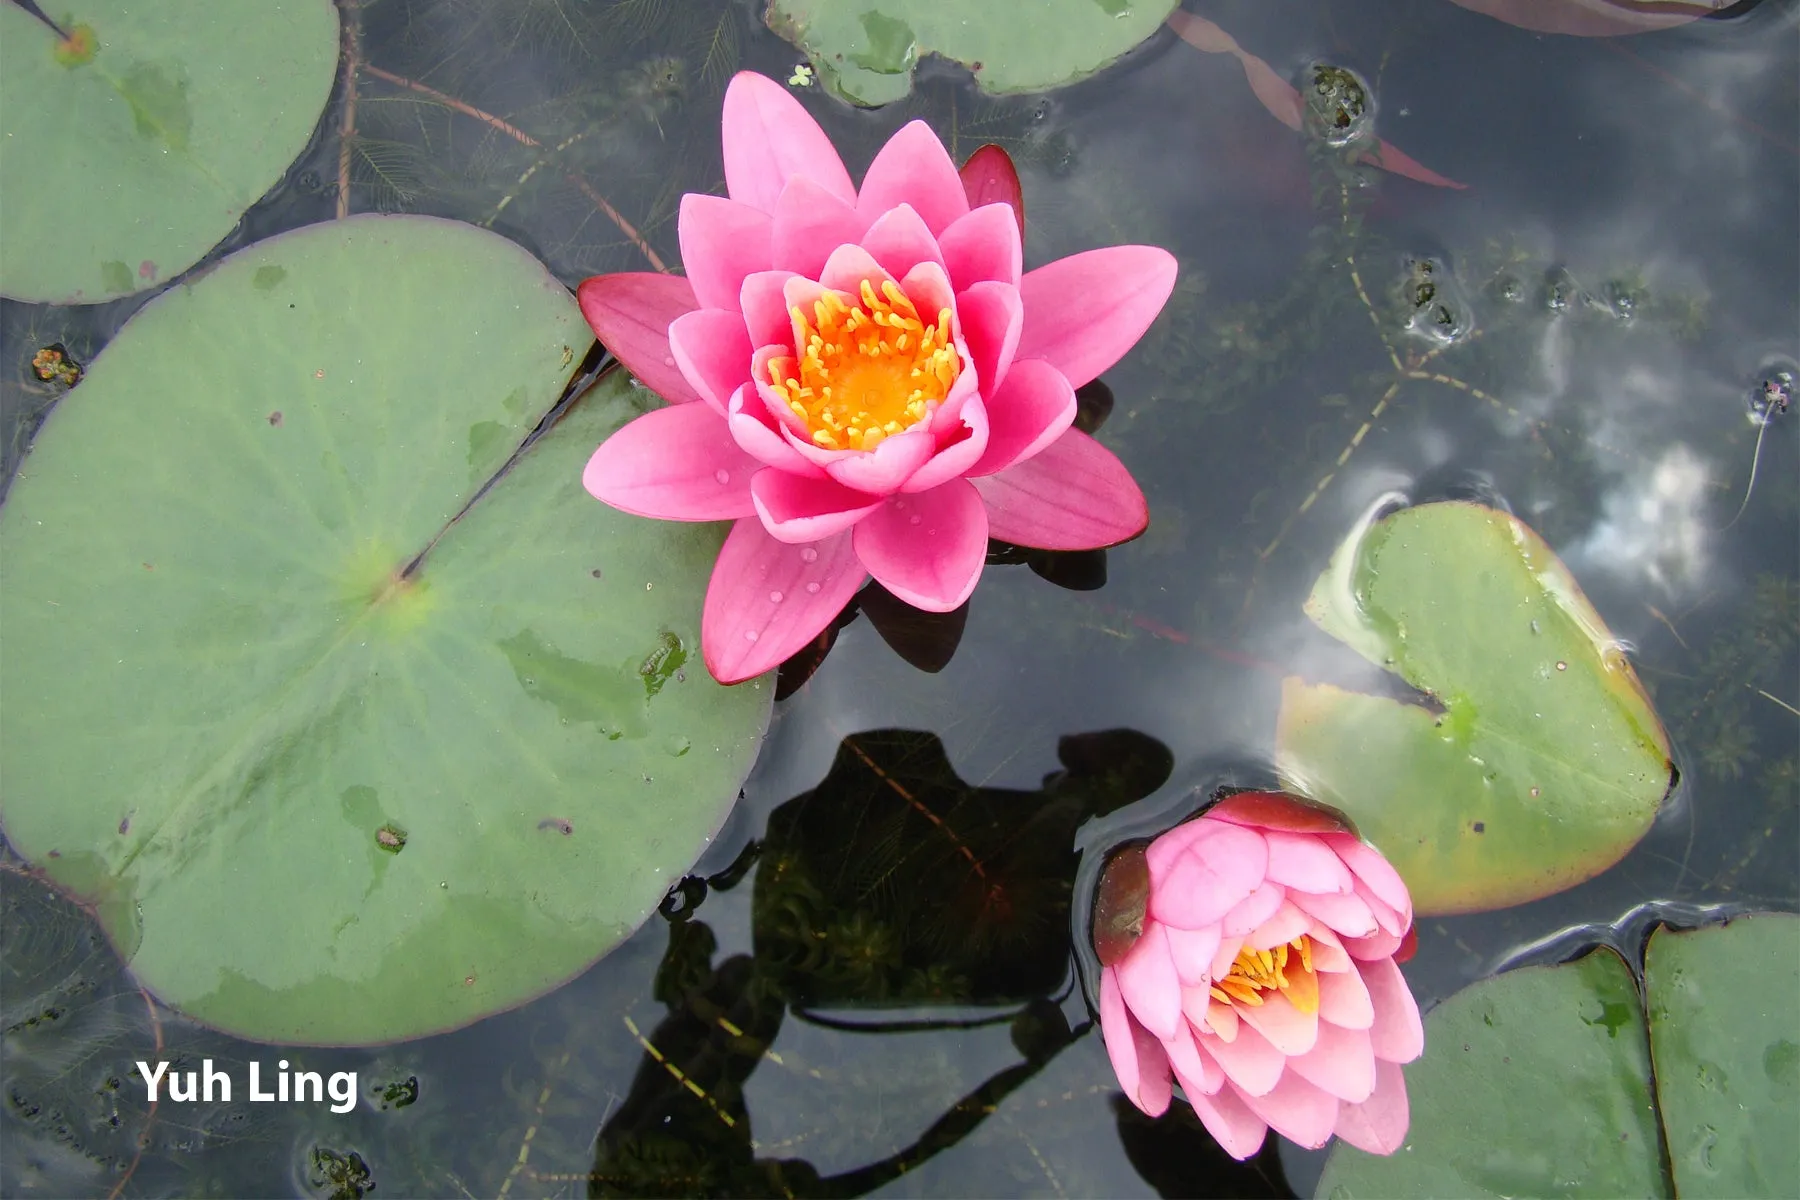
[(874, 989)]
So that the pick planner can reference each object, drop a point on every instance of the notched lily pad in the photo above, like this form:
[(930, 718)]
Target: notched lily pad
[(135, 145), (865, 50), (1536, 760), (293, 725)]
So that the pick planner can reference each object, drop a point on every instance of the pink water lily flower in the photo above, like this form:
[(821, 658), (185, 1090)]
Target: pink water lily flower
[(1250, 954), (865, 380)]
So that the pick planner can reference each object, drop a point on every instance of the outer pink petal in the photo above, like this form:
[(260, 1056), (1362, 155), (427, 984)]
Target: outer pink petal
[(1378, 1124), (1029, 411), (1252, 910), (1249, 1059), (1344, 999), (768, 139), (1286, 924), (957, 451), (899, 241), (1193, 950), (927, 548), (797, 510), (767, 599), (1373, 870), (1297, 1110), (914, 168), (1194, 1071), (1137, 1058), (1347, 916), (1074, 495), (983, 245), (713, 353), (881, 471), (1290, 1030), (631, 313), (989, 177), (676, 463), (1084, 312), (1197, 879), (1303, 861), (722, 241), (1239, 1131), (990, 316), (1377, 945), (1390, 921), (810, 223), (1147, 979), (1340, 1062), (1397, 1035), (763, 299)]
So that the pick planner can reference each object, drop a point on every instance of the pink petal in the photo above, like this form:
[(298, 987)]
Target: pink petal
[(1250, 1060), (990, 316), (989, 177), (845, 270), (1197, 878), (1238, 1131), (810, 223), (744, 629), (1226, 956), (763, 299), (1194, 1071), (1347, 916), (758, 435), (1083, 313), (1374, 870), (1304, 862), (983, 245), (1222, 1019), (713, 353), (796, 510), (1073, 495), (881, 471), (1328, 952), (1253, 910), (1340, 1062), (928, 287), (957, 452), (1192, 951), (899, 241), (914, 168), (1378, 1124), (927, 548), (722, 241), (1290, 1030), (1297, 1110), (1379, 944), (1390, 921), (1148, 982), (1286, 924), (631, 313), (677, 464), (1397, 1034), (1137, 1058), (769, 139), (1344, 998)]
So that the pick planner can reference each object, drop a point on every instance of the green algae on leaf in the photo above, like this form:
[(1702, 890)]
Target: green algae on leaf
[(135, 145), (1536, 760), (288, 710), (865, 50)]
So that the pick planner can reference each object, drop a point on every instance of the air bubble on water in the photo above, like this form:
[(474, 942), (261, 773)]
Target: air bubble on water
[(812, 589), (750, 635), (722, 475), (774, 597), (808, 554), (1773, 392)]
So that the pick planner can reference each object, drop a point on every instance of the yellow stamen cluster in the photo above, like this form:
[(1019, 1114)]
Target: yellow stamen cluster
[(1286, 969), (864, 372)]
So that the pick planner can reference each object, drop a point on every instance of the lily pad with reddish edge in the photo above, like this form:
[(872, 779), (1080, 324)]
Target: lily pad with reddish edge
[(1531, 761), (350, 718), (135, 145)]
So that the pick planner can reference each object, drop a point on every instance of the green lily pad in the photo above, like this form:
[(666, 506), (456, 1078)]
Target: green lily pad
[(133, 148), (1537, 1082), (865, 50), (333, 763), (1533, 761), (1725, 1037)]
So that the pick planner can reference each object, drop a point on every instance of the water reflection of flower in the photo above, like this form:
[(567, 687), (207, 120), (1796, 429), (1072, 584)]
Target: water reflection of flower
[(880, 385)]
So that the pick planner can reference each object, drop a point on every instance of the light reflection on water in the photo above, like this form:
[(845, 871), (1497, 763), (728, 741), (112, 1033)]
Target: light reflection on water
[(1620, 273)]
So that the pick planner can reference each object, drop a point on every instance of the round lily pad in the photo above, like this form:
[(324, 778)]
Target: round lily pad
[(134, 144), (1532, 759), (342, 744), (866, 49)]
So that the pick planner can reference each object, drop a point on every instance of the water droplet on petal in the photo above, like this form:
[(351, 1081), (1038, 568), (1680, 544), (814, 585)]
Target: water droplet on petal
[(812, 589), (774, 597), (749, 635), (808, 554), (668, 360), (914, 519), (722, 475)]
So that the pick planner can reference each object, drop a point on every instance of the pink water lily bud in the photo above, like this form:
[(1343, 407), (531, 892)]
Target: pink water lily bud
[(1249, 955), (865, 380)]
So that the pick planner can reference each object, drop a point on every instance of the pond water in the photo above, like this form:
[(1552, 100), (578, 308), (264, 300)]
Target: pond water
[(866, 985)]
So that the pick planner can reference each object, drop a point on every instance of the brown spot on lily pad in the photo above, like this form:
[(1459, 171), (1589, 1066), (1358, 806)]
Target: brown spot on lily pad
[(275, 419), (557, 823), (391, 837)]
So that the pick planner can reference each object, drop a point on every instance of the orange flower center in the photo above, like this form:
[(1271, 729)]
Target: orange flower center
[(864, 372), (1286, 969)]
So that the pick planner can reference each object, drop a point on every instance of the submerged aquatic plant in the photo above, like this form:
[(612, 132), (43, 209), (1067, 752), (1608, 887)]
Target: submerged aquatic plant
[(1250, 953), (866, 381)]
